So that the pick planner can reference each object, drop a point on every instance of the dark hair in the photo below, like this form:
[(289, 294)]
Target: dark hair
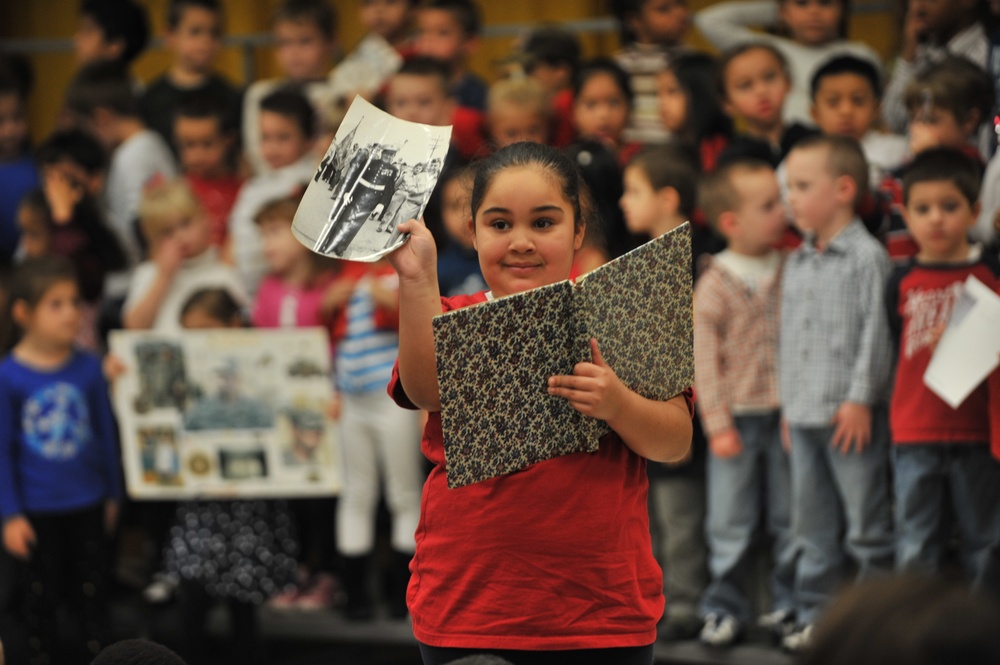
[(705, 117), (31, 280), (318, 12), (175, 11), (426, 66), (291, 102), (208, 107), (731, 54), (624, 11), (553, 46), (672, 165), (132, 652), (541, 156), (603, 65), (465, 13), (123, 20), (102, 85), (848, 64), (955, 84), (77, 146), (944, 164), (481, 659), (602, 174), (907, 620), (215, 302), (16, 75)]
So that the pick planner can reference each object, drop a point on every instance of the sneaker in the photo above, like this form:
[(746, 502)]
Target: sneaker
[(779, 623), (720, 630), (319, 594), (799, 639), (161, 590)]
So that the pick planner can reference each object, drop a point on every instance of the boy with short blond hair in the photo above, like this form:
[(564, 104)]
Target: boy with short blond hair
[(941, 454), (833, 378), (305, 32), (518, 110), (736, 318), (181, 260), (194, 37), (448, 30)]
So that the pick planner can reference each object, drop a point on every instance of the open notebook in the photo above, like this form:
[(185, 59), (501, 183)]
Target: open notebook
[(494, 359)]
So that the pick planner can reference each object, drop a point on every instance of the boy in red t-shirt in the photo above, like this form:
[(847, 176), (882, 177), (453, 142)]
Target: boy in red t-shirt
[(941, 455)]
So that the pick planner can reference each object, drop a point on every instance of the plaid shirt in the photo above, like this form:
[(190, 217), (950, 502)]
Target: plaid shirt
[(834, 343), (735, 347)]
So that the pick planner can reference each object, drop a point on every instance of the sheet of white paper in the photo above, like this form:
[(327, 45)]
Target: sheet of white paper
[(379, 171), (970, 346)]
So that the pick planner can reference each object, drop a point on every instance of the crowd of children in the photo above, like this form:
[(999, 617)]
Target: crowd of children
[(838, 204)]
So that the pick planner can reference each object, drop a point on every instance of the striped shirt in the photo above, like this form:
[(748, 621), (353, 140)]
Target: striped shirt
[(365, 355), (834, 342)]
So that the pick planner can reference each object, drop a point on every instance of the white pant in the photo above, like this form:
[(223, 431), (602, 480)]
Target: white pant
[(378, 436)]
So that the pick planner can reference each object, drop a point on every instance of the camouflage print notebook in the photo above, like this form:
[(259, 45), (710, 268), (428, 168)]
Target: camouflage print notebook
[(494, 359)]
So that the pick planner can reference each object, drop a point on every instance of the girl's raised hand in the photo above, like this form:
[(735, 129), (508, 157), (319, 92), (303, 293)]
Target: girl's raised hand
[(418, 256), (593, 389), (18, 537)]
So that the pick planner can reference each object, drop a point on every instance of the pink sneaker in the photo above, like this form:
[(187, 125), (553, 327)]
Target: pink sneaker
[(319, 594)]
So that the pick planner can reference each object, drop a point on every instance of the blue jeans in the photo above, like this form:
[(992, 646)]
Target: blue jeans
[(840, 507), (740, 489), (926, 475)]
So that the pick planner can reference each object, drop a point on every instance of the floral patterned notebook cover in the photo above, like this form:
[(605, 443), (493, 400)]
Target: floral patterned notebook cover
[(494, 359)]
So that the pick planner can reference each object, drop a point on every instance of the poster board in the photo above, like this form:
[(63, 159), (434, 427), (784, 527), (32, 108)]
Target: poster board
[(226, 413)]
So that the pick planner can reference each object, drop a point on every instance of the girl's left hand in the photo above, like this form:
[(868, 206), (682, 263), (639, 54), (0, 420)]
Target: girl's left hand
[(593, 389)]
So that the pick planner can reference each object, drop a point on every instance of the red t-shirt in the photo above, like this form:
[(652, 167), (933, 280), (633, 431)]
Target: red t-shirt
[(554, 557), (217, 196), (919, 300)]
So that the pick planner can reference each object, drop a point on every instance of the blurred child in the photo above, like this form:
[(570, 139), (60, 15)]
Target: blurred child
[(204, 136), (194, 37), (378, 440), (418, 92), (846, 93), (110, 31), (690, 108), (181, 260), (933, 30), (306, 36), (59, 461), (518, 110), (136, 652), (458, 263), (379, 53), (833, 378), (660, 193), (552, 56), (448, 30), (652, 32), (944, 472), (602, 101), (947, 103), (607, 235), (17, 168), (241, 552), (817, 31), (287, 122), (736, 346), (754, 83), (81, 237), (100, 95)]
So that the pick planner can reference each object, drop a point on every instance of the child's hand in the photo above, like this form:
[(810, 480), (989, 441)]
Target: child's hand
[(852, 427), (418, 256), (111, 511), (384, 296), (19, 537), (593, 389), (726, 445), (337, 294), (168, 256), (113, 367), (62, 194), (334, 406)]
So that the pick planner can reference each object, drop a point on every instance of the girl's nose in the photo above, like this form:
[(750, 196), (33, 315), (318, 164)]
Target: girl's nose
[(521, 242)]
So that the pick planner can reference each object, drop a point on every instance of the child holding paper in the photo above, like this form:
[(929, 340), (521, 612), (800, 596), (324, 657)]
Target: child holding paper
[(502, 564), (938, 451)]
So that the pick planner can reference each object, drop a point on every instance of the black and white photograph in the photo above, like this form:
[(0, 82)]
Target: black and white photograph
[(378, 172)]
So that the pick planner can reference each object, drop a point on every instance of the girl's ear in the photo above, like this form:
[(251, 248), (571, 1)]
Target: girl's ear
[(669, 200), (578, 235), (472, 233)]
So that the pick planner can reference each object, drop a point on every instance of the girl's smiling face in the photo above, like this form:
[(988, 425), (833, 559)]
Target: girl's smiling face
[(525, 231)]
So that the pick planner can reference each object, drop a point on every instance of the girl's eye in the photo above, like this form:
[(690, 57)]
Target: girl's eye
[(543, 222), (921, 209), (500, 224)]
